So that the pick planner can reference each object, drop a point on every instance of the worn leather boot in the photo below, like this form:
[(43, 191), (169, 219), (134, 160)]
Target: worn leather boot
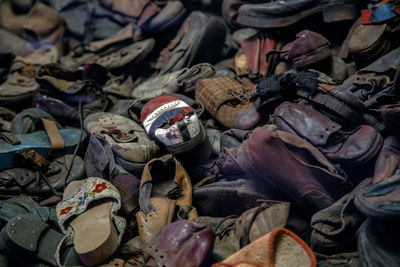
[(296, 168), (231, 234), (357, 145), (278, 14)]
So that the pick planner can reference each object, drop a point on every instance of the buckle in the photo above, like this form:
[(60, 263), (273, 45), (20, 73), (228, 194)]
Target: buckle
[(29, 158), (120, 136)]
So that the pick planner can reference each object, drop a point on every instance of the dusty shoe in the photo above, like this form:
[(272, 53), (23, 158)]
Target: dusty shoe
[(173, 123), (128, 140), (30, 120), (49, 143), (224, 98), (388, 162), (20, 84), (231, 234), (192, 43), (316, 176), (181, 80), (252, 61), (181, 243), (285, 13), (370, 42), (348, 147), (98, 223), (62, 91), (281, 247), (335, 228), (50, 179), (165, 195), (380, 200), (377, 243), (43, 26), (38, 241)]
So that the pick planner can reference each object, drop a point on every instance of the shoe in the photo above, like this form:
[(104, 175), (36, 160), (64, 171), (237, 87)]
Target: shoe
[(178, 81), (21, 84), (128, 140), (224, 98), (192, 46), (377, 243), (62, 91), (181, 243), (30, 121), (387, 163), (165, 195), (318, 183), (49, 143), (48, 180), (79, 217), (335, 228), (232, 234), (284, 13), (355, 146), (172, 122)]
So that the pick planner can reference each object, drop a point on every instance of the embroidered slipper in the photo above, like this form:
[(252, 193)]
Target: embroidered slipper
[(88, 215)]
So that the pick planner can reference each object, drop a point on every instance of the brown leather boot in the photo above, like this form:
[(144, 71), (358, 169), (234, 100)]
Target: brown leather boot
[(291, 164)]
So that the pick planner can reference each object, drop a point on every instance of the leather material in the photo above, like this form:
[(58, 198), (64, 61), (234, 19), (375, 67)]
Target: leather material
[(168, 17), (308, 48), (377, 244), (165, 189), (182, 243), (29, 121), (388, 161), (233, 234), (127, 139), (20, 180), (240, 190), (380, 200), (318, 183), (27, 235), (255, 48), (16, 206), (100, 162), (133, 53), (356, 146), (181, 80), (335, 228), (192, 46)]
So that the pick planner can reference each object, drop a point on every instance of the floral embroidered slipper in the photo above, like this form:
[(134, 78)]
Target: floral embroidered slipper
[(88, 215)]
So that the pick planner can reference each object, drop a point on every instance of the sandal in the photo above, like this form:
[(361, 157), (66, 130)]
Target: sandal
[(88, 215)]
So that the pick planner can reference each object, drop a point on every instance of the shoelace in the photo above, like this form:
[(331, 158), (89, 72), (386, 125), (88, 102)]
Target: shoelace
[(221, 230)]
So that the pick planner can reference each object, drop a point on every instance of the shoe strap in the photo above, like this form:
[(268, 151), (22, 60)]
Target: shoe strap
[(10, 138), (56, 140)]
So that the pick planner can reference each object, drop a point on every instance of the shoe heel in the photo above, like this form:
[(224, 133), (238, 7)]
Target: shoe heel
[(340, 13)]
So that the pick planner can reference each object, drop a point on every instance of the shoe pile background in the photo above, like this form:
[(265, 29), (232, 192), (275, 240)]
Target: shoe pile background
[(199, 133)]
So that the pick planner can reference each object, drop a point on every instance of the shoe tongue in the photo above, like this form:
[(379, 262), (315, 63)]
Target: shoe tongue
[(95, 72)]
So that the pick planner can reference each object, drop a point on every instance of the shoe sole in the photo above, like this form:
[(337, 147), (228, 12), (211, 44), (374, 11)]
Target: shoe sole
[(331, 13)]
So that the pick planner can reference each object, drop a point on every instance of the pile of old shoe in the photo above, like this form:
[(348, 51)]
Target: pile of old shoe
[(178, 133)]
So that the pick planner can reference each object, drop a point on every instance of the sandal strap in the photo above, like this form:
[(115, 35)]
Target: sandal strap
[(56, 140)]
